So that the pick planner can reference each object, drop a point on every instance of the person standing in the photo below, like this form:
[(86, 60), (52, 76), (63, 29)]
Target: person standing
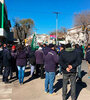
[(14, 54), (88, 59), (69, 62), (62, 47), (50, 62), (6, 63), (80, 55), (39, 62), (32, 61), (1, 59), (21, 63)]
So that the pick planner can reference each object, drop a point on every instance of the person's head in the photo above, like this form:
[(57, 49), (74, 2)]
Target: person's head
[(68, 45), (52, 46), (89, 45), (40, 48), (13, 47), (76, 46), (4, 45), (26, 44), (44, 45), (62, 47)]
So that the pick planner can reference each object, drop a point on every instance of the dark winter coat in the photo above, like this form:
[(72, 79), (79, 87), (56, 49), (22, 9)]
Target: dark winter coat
[(13, 55), (6, 57), (50, 61), (21, 58), (80, 55), (39, 57), (32, 57), (1, 57), (88, 55), (69, 57)]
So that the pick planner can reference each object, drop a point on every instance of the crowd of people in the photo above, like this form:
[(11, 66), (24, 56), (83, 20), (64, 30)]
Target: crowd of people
[(44, 62)]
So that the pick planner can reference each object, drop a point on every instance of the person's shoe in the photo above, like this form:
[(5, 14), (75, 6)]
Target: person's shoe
[(79, 80), (6, 82), (46, 92), (3, 80), (58, 74), (53, 93), (42, 77), (11, 78)]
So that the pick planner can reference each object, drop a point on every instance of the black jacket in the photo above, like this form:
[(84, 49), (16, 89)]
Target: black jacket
[(32, 58), (6, 58), (1, 57), (69, 57), (80, 55)]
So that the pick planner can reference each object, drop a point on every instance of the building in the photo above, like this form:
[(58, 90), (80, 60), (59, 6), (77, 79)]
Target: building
[(43, 38), (76, 35), (5, 34)]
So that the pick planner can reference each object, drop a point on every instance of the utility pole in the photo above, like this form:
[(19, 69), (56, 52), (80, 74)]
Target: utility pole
[(56, 24)]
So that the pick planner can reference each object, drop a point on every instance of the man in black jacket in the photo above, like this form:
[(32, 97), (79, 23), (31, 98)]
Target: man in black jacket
[(6, 64), (69, 62), (1, 59)]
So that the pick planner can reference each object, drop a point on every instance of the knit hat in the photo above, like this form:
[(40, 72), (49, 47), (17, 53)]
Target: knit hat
[(13, 47), (51, 45)]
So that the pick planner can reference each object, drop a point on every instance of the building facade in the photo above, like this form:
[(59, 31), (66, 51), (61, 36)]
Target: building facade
[(5, 34), (76, 35)]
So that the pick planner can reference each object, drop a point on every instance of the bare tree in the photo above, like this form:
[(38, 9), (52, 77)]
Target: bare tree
[(22, 28), (82, 18)]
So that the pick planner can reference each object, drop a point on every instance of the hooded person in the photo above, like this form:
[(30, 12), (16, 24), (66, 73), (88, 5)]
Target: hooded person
[(39, 55)]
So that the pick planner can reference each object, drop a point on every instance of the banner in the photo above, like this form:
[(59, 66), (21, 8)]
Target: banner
[(34, 44)]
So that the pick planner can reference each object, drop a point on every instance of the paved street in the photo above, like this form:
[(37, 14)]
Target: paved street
[(33, 89)]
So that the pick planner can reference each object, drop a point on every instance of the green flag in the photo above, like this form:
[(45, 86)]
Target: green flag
[(34, 44)]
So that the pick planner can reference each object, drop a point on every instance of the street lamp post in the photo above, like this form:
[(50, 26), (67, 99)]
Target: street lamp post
[(56, 24)]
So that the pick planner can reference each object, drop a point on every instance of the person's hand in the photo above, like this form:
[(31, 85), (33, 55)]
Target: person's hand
[(67, 69), (70, 67)]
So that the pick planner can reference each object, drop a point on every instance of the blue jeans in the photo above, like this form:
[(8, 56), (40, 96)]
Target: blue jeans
[(21, 73), (49, 80)]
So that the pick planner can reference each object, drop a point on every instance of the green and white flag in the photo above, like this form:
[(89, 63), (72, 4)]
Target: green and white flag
[(34, 44)]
